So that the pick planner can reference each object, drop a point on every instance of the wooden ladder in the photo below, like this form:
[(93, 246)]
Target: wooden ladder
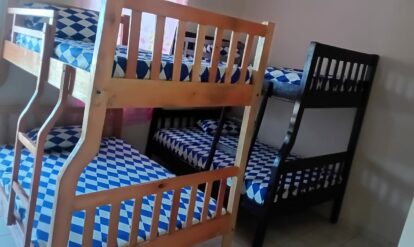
[(37, 150)]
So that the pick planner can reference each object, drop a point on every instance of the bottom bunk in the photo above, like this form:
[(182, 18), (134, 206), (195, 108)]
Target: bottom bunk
[(193, 144), (116, 165)]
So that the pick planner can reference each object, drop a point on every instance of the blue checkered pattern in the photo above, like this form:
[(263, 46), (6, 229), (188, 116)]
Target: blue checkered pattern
[(116, 165), (210, 125), (193, 145), (71, 23), (285, 75), (79, 54), (286, 82), (59, 137)]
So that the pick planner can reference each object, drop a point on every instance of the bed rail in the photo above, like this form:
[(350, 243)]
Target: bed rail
[(189, 235)]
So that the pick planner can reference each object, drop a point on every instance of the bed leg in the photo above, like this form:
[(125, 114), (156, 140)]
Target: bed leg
[(260, 233), (336, 209)]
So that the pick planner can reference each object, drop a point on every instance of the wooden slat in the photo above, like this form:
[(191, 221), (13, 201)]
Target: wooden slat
[(133, 44), (157, 52), (125, 22), (24, 197), (215, 58), (191, 206), (113, 224), (178, 51), (156, 216), (48, 13), (194, 15), (136, 216), (220, 199), (27, 142), (147, 93), (207, 195), (127, 193), (195, 234), (87, 235), (29, 32), (231, 56), (246, 58), (174, 211), (30, 62), (199, 51)]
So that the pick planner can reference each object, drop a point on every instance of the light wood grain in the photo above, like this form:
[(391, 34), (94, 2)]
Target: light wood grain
[(156, 216), (157, 52), (218, 39), (133, 44), (174, 211), (148, 93), (198, 52), (87, 235), (136, 216), (246, 58), (190, 14), (113, 224), (206, 204), (191, 205), (231, 56), (178, 51)]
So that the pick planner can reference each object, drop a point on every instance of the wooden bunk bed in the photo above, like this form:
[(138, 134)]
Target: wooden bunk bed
[(51, 187), (277, 180)]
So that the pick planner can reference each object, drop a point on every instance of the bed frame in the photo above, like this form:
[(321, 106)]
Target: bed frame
[(99, 92), (328, 70)]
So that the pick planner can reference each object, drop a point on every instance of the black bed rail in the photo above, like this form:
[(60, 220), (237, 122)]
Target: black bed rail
[(336, 77)]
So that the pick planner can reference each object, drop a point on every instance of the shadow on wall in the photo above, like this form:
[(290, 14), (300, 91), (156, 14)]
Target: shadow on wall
[(381, 186)]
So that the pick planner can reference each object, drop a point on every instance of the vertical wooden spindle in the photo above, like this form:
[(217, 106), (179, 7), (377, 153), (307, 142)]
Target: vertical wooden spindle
[(246, 58), (87, 235), (174, 211), (113, 224), (191, 205), (136, 216), (178, 51), (215, 58), (231, 56), (156, 216), (220, 199), (207, 194), (157, 51), (198, 52), (133, 44)]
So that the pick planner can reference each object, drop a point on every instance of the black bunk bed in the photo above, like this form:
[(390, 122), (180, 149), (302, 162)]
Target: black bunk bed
[(281, 181)]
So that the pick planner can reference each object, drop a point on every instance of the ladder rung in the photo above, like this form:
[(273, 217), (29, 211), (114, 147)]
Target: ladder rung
[(21, 193), (29, 144)]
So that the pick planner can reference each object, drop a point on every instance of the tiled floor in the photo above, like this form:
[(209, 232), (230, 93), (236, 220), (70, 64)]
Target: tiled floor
[(297, 230)]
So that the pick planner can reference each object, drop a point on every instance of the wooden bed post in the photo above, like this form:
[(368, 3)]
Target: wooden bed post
[(5, 29), (93, 123), (246, 132)]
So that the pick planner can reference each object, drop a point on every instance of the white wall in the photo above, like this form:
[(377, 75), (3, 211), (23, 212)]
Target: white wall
[(381, 184)]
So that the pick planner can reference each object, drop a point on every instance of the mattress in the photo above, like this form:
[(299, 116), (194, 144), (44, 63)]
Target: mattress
[(193, 146), (116, 165), (287, 82), (80, 53)]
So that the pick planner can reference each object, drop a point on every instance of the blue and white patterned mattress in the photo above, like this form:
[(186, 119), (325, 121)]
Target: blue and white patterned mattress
[(193, 145), (80, 53), (116, 165)]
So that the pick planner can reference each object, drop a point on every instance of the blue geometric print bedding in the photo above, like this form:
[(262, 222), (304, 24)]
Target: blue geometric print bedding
[(116, 165), (193, 145), (79, 54)]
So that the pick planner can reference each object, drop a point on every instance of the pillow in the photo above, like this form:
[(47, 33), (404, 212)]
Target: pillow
[(210, 125), (72, 23), (59, 137)]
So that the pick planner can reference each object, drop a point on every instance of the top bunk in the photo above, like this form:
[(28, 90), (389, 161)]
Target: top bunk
[(122, 73)]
